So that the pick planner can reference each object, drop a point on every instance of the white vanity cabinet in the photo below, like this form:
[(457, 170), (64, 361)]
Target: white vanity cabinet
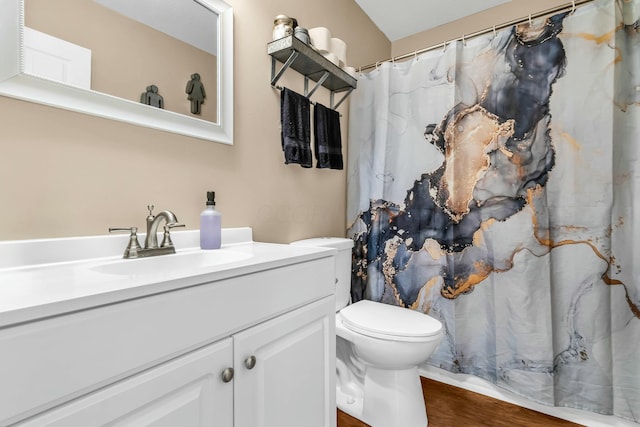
[(159, 360), (285, 370)]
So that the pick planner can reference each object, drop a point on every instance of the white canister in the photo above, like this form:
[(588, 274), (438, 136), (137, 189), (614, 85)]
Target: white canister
[(282, 27), (320, 38)]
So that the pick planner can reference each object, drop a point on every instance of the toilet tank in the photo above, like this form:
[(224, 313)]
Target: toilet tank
[(343, 264)]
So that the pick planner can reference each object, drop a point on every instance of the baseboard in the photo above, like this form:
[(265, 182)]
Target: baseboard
[(478, 385)]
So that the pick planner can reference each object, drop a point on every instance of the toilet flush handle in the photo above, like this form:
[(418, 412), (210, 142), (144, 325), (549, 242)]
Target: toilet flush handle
[(250, 362)]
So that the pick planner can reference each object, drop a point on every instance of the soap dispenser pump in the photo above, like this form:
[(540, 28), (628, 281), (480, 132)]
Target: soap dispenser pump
[(210, 224)]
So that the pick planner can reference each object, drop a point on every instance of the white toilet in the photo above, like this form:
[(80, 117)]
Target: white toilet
[(379, 348)]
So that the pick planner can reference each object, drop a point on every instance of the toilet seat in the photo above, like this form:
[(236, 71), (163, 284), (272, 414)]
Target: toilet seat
[(389, 322)]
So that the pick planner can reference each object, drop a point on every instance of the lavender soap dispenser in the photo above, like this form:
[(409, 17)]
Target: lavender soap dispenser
[(210, 224)]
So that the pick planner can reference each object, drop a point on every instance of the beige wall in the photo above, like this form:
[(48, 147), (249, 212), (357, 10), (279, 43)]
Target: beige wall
[(69, 174), (507, 12)]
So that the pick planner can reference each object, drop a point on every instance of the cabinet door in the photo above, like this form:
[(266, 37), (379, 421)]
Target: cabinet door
[(186, 392), (292, 383)]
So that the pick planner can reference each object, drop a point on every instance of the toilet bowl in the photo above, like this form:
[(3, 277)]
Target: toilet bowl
[(379, 348)]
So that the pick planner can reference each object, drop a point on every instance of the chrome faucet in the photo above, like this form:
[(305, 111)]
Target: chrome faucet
[(151, 248), (151, 241)]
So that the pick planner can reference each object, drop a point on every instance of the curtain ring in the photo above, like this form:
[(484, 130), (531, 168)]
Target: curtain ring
[(377, 62), (494, 32), (464, 42), (415, 55), (444, 46), (393, 61), (573, 6), (530, 21)]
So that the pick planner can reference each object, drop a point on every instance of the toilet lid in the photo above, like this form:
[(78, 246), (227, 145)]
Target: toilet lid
[(383, 320)]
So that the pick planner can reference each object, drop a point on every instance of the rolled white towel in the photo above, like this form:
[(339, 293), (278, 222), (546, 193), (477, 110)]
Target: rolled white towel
[(331, 57), (339, 48), (351, 71), (320, 38)]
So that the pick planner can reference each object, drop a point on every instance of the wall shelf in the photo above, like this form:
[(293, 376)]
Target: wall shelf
[(295, 54)]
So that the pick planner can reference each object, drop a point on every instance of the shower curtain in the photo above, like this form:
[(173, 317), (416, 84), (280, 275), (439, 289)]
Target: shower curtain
[(495, 185)]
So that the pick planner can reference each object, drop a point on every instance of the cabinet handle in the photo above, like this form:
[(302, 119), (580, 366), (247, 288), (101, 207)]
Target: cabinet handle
[(227, 375), (250, 362)]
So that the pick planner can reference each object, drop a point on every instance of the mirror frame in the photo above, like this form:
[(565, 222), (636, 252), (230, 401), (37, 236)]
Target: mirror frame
[(16, 84)]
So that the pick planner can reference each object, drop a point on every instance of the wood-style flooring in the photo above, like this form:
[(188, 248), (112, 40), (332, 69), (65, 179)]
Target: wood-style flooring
[(449, 406)]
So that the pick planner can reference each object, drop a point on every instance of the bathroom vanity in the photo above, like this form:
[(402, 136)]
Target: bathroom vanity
[(243, 336)]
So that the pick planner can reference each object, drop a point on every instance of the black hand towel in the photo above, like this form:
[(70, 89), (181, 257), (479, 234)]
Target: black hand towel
[(295, 119), (328, 140)]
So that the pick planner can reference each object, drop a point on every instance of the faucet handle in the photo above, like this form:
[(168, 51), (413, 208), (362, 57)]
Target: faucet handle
[(130, 229), (171, 225), (132, 248), (166, 239)]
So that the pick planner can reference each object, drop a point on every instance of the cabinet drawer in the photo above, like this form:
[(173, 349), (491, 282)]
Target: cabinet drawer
[(188, 391), (46, 363)]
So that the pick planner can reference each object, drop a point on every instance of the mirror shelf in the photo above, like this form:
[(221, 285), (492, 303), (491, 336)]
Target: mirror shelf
[(15, 83)]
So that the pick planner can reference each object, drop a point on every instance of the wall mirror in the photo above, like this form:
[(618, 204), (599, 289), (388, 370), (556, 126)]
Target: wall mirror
[(164, 64)]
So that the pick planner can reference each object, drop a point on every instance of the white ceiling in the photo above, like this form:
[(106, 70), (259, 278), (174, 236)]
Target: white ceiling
[(402, 18)]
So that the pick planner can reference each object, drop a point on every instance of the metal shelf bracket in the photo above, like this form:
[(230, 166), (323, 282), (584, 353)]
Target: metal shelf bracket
[(275, 77), (318, 84), (346, 95)]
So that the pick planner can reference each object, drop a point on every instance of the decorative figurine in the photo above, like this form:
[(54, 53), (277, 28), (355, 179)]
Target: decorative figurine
[(196, 92), (152, 97)]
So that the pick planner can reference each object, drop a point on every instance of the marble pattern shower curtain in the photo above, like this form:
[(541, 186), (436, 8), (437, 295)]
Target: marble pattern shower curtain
[(495, 185)]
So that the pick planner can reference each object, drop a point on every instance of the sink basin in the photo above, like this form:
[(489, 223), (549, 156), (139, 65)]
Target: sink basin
[(170, 264)]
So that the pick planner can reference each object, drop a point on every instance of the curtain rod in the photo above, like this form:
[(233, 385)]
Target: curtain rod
[(567, 6)]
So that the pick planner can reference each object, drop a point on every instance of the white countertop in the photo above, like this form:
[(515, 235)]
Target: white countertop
[(46, 278)]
